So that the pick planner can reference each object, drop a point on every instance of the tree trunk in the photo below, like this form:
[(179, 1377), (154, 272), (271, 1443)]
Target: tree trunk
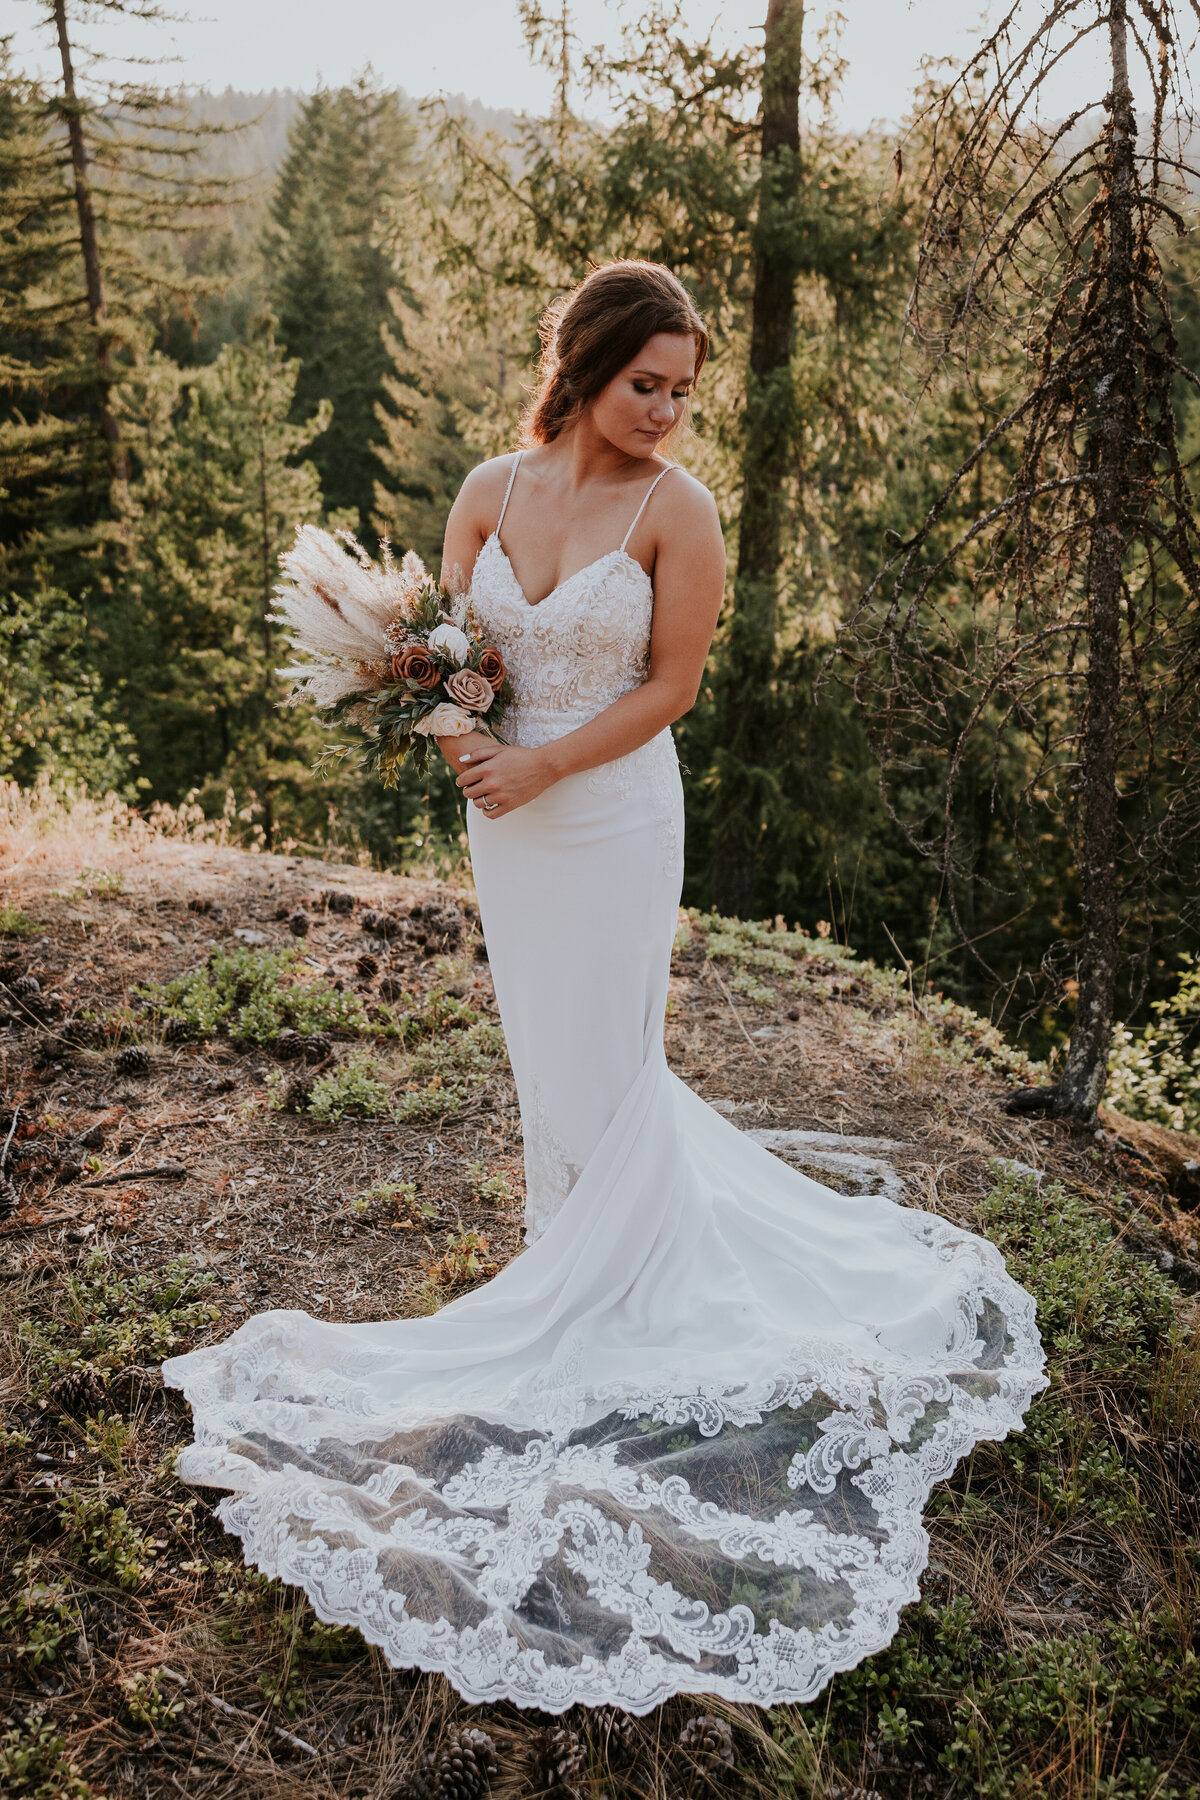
[(89, 249), (267, 570), (746, 728), (1082, 1085)]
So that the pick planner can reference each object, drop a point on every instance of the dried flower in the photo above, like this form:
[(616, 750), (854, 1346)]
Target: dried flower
[(470, 690), (445, 720), (491, 666), (336, 601), (414, 663)]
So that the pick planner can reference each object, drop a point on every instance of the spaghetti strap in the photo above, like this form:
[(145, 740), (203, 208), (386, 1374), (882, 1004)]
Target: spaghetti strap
[(508, 491), (645, 503)]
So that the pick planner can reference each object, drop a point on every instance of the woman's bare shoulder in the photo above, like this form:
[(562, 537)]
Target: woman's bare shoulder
[(482, 493), (686, 504)]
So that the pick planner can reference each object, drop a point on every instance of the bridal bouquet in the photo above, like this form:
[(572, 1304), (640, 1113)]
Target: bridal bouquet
[(389, 652)]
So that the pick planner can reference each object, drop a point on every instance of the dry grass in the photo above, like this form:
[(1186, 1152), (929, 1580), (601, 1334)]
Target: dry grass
[(248, 1694)]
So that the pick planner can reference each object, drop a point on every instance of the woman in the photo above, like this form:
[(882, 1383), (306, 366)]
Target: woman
[(683, 1441)]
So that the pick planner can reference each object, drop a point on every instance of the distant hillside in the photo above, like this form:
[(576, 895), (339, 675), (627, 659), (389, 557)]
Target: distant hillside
[(257, 124)]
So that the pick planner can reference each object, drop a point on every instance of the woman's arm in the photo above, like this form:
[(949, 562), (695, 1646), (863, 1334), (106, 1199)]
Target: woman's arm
[(475, 508), (689, 583)]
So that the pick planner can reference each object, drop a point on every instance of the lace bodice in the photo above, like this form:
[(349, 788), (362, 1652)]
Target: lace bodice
[(578, 650)]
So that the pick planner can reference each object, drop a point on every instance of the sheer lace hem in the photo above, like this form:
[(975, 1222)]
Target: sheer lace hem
[(619, 1543)]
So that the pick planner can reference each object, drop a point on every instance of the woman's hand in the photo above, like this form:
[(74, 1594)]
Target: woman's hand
[(497, 777)]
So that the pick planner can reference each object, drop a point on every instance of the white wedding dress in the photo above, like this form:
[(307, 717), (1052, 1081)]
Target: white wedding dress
[(683, 1441)]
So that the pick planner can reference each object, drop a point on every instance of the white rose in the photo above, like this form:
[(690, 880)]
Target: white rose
[(451, 642), (445, 720)]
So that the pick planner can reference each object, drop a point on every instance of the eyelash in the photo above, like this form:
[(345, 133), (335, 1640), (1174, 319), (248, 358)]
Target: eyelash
[(681, 395)]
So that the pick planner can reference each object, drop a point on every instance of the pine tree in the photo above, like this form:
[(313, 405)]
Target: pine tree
[(94, 185), (1058, 612), (331, 250), (433, 420), (220, 495), (53, 472)]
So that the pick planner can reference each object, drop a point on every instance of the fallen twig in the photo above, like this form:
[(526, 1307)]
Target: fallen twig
[(163, 1171), (238, 1712), (8, 1140)]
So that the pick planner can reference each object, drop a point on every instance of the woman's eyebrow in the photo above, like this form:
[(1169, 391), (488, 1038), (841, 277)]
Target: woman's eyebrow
[(657, 375)]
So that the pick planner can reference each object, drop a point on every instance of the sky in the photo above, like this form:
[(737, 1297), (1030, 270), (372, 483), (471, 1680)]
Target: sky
[(475, 47)]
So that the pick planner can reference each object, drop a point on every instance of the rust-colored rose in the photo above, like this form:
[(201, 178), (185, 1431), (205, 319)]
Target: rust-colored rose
[(491, 666), (414, 663), (470, 690)]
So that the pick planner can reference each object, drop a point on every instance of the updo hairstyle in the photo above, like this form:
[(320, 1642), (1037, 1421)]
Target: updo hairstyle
[(596, 330)]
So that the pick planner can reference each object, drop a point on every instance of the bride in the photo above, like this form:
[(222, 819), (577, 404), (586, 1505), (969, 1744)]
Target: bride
[(682, 1443)]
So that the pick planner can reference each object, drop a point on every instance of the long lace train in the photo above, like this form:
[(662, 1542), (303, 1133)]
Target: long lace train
[(683, 1441)]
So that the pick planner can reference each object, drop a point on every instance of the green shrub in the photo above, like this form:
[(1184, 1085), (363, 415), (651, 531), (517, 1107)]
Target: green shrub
[(1154, 1074), (14, 922), (34, 1766), (472, 1050), (1094, 1300), (493, 1190), (400, 1196), (256, 995), (106, 1539), (39, 1614), (147, 1703), (112, 1320), (99, 884), (353, 1088), (425, 1105), (1003, 1723), (440, 1012)]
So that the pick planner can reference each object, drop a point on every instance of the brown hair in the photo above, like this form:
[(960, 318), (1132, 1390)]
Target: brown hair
[(596, 330)]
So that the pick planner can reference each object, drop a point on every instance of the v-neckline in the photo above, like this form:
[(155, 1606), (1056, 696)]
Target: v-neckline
[(558, 587)]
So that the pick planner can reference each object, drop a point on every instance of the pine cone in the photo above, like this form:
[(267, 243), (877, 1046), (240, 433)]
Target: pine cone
[(464, 1769), (50, 1049), (134, 1059), (615, 1734), (335, 900), (710, 1741), (9, 1198), (199, 903), (297, 1094), (392, 988), (288, 1046), (178, 1031), (316, 1048), (561, 1759), (382, 924), (367, 966), (133, 1385), (441, 926), (26, 987), (78, 1393), (298, 924), (86, 1034)]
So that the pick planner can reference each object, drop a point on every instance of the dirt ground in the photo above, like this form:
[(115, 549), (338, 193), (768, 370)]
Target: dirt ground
[(189, 1155)]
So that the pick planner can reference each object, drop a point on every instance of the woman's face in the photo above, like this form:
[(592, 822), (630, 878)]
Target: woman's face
[(645, 402)]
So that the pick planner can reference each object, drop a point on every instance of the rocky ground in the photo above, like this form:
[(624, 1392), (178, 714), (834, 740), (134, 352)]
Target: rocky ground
[(187, 1147)]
